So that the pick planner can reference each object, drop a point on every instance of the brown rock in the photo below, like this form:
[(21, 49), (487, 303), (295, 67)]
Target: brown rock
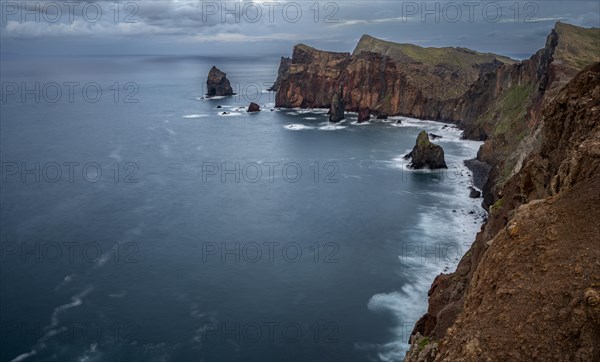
[(217, 84), (364, 114), (253, 107)]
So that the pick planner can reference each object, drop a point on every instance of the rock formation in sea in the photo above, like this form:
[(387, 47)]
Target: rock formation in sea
[(364, 114), (253, 107), (426, 154), (338, 106), (217, 83)]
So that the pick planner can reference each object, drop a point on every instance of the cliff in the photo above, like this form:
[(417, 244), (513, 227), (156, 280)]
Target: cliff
[(379, 76), (491, 97), (529, 287)]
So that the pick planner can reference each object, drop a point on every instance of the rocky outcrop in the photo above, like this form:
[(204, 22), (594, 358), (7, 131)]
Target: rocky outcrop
[(426, 154), (525, 290), (217, 83), (384, 82), (364, 115), (492, 98), (253, 107), (338, 107)]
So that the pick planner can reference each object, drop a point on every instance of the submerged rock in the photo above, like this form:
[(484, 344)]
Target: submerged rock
[(426, 154), (364, 114), (217, 84), (336, 111), (253, 107)]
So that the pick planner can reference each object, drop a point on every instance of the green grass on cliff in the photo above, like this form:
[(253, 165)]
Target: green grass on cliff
[(577, 47), (408, 53), (512, 108)]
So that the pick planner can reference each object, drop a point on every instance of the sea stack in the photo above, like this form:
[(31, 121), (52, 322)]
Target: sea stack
[(253, 107), (336, 111), (426, 154), (217, 83), (364, 114)]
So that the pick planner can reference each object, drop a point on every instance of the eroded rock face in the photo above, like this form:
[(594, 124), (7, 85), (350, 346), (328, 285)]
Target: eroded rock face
[(537, 241), (253, 107), (426, 154), (217, 84), (338, 107)]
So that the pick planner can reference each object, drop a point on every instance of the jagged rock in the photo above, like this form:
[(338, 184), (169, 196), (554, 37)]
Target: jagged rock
[(426, 154), (382, 116), (217, 83), (474, 193), (336, 111), (434, 136), (398, 122), (364, 114), (219, 107), (253, 107), (224, 113)]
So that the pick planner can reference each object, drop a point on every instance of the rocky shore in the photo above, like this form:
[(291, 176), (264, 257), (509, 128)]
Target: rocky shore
[(533, 269)]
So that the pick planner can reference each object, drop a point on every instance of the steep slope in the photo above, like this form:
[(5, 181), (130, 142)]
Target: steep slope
[(504, 106), (529, 287)]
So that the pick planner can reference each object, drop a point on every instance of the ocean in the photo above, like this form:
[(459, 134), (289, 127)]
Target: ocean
[(142, 222)]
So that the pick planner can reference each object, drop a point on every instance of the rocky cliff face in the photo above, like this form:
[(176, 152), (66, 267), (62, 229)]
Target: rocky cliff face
[(529, 288), (491, 97), (396, 84)]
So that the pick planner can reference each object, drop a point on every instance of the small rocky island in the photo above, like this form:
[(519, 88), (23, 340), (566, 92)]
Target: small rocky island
[(426, 154), (253, 107), (217, 83)]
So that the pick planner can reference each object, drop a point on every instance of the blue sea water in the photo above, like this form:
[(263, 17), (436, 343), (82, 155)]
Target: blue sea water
[(144, 224)]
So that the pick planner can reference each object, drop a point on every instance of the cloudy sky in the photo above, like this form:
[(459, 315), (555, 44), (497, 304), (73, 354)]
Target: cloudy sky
[(189, 27)]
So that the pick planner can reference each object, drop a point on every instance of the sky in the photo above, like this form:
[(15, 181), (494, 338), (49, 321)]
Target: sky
[(246, 28)]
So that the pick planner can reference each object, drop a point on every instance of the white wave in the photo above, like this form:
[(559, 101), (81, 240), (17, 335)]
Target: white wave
[(230, 114), (193, 116), (120, 294), (52, 329), (310, 118), (331, 127), (442, 234), (356, 123), (76, 301), (297, 127)]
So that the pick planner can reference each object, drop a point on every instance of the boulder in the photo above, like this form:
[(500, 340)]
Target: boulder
[(426, 154), (364, 115), (336, 111), (474, 193), (217, 84), (253, 107), (382, 116)]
